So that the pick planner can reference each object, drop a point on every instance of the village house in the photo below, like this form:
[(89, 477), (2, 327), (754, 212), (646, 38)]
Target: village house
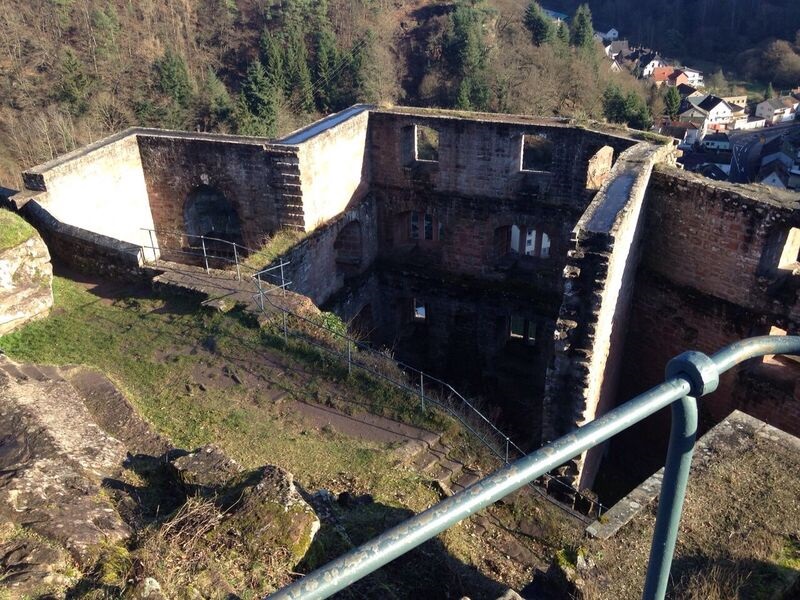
[(713, 110), (687, 133), (718, 142), (602, 35), (688, 91), (778, 110), (618, 49), (676, 78), (694, 76)]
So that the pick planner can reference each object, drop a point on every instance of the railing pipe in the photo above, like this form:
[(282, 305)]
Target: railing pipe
[(365, 559), (688, 376)]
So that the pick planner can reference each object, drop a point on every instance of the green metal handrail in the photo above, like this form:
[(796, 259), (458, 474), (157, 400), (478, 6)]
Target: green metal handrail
[(689, 376)]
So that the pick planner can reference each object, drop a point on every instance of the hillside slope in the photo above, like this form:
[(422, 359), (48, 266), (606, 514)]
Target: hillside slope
[(73, 71)]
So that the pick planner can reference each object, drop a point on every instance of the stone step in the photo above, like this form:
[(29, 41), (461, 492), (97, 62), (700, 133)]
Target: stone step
[(12, 370), (445, 470), (52, 373)]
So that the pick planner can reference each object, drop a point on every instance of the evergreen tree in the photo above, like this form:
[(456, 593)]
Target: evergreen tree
[(581, 32), (562, 33), (463, 101), (637, 115), (213, 106), (74, 84), (274, 60), (614, 107), (256, 109), (172, 78), (539, 24), (465, 53), (770, 92), (298, 76), (672, 102), (630, 109), (327, 66)]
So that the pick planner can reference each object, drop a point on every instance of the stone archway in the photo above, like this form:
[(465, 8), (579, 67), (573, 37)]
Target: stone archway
[(348, 246), (207, 212)]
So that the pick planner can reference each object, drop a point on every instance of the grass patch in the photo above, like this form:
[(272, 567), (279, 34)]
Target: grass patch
[(162, 352), (13, 229), (277, 245)]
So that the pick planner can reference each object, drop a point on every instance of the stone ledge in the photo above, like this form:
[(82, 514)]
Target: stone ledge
[(737, 431)]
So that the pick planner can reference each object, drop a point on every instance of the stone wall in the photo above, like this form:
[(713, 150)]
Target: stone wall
[(482, 157), (320, 264), (333, 163), (26, 283), (99, 188), (592, 321), (86, 251), (252, 175), (464, 337), (711, 275)]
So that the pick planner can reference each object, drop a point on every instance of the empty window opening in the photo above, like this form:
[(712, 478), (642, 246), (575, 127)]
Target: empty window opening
[(428, 227), (530, 243), (522, 330), (789, 256), (420, 313), (427, 144), (423, 226), (787, 360), (526, 241), (537, 153)]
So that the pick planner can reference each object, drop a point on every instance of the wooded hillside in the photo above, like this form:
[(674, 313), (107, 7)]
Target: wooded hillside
[(72, 71), (758, 39)]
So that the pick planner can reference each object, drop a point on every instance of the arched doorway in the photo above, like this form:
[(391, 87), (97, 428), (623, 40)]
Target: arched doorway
[(207, 212), (348, 249)]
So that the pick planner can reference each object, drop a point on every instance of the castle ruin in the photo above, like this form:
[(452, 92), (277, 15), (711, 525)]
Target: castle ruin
[(549, 266)]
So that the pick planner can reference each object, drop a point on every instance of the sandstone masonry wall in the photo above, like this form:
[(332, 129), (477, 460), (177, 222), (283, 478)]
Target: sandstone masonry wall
[(710, 276), (599, 280), (334, 165), (99, 188), (318, 266), (248, 173), (86, 251)]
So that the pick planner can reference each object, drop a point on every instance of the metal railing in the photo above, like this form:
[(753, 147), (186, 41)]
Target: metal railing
[(430, 390), (417, 383), (688, 377), (203, 248)]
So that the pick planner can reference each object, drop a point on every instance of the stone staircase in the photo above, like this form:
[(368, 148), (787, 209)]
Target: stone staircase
[(450, 476)]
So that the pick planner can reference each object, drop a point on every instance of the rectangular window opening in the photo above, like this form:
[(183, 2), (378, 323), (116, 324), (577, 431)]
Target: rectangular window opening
[(530, 243), (537, 153), (517, 328), (545, 253), (414, 230), (514, 243), (420, 312), (523, 330), (441, 231), (428, 227), (789, 256), (427, 144)]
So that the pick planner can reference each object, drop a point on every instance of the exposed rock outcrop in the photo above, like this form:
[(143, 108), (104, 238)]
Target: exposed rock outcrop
[(68, 438), (53, 460), (26, 283)]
